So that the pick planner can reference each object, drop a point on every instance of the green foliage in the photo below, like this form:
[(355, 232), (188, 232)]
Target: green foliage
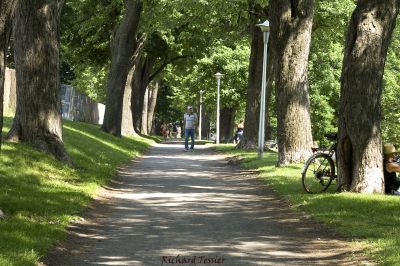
[(193, 25), (40, 196), (172, 29), (391, 92), (199, 38), (325, 65), (232, 62), (330, 25), (167, 109), (92, 81), (87, 27), (208, 35), (368, 220)]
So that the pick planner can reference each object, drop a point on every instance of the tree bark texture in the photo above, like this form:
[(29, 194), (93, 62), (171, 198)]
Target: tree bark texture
[(205, 124), (153, 92), (291, 24), (127, 109), (123, 48), (144, 111), (140, 82), (359, 145), (36, 40), (268, 91), (251, 121), (6, 15), (227, 125), (126, 121)]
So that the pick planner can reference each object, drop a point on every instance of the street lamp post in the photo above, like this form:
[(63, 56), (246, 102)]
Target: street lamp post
[(265, 29), (201, 103), (218, 76)]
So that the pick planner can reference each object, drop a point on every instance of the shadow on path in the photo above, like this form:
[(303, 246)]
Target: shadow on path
[(195, 206)]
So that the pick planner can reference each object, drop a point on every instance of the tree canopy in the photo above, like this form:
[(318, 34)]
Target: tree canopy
[(207, 34)]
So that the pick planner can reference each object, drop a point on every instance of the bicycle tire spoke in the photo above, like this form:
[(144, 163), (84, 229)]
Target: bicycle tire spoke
[(317, 174)]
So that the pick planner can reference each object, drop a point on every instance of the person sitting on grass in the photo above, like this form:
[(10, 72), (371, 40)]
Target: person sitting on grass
[(390, 168)]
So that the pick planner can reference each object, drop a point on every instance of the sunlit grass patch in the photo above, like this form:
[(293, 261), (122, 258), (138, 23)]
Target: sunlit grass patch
[(372, 221), (40, 195)]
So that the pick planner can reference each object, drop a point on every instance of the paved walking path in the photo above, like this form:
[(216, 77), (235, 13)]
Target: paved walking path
[(170, 207)]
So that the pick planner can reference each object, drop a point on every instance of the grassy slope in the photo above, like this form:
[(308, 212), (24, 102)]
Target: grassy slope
[(40, 195), (372, 220)]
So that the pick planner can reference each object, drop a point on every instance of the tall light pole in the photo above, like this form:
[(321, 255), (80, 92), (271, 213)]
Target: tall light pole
[(201, 103), (265, 29), (218, 76)]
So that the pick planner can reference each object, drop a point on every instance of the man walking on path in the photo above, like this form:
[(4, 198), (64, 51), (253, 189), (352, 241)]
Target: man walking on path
[(189, 120)]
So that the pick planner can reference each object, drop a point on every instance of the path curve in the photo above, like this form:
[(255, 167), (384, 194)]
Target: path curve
[(171, 207)]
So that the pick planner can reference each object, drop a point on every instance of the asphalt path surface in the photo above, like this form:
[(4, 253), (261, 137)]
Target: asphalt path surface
[(171, 207)]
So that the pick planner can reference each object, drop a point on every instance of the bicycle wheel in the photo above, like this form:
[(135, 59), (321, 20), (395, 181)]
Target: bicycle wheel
[(318, 173)]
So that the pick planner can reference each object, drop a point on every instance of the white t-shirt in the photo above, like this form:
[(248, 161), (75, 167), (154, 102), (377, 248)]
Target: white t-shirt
[(190, 120)]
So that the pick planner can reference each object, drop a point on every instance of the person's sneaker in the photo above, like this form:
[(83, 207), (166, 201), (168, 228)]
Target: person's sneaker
[(191, 149), (185, 150)]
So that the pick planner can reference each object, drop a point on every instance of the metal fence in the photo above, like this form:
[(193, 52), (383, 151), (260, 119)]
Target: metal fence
[(75, 105)]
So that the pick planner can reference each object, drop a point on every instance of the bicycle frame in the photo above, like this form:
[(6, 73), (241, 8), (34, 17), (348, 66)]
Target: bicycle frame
[(319, 170)]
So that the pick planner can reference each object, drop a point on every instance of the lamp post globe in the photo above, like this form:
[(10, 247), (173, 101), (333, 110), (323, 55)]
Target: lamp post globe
[(264, 26)]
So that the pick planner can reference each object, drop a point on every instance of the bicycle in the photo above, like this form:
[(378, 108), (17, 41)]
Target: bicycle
[(271, 145), (319, 170)]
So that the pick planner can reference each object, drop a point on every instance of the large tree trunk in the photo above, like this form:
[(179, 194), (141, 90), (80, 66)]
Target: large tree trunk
[(205, 124), (37, 120), (251, 121), (359, 145), (227, 127), (127, 122), (137, 96), (153, 92), (140, 82), (6, 15), (144, 111), (123, 47), (127, 127), (291, 24)]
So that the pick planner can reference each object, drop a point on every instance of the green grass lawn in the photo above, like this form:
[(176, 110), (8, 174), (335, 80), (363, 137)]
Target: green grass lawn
[(40, 195), (370, 220)]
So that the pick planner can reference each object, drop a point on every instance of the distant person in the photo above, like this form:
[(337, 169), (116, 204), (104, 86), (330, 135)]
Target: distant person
[(239, 131), (174, 130), (189, 121), (164, 131), (170, 128), (390, 168), (180, 128)]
